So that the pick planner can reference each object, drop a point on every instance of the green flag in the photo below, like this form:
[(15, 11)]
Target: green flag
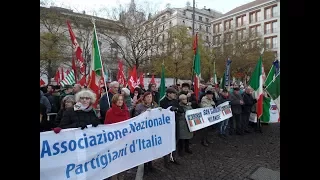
[(162, 84), (274, 90)]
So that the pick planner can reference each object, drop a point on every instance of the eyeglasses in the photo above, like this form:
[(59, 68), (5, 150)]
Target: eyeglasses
[(86, 98)]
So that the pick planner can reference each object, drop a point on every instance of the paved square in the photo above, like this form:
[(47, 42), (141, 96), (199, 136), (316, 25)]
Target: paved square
[(265, 174)]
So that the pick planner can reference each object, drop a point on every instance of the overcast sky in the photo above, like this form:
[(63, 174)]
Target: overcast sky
[(96, 5)]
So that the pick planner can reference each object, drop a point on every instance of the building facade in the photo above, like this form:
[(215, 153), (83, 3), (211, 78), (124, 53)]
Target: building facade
[(260, 18), (83, 29)]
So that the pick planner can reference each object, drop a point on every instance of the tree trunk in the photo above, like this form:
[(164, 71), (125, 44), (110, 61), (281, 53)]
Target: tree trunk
[(49, 70)]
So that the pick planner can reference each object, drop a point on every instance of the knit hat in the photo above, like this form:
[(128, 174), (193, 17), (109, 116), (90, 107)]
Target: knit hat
[(126, 91)]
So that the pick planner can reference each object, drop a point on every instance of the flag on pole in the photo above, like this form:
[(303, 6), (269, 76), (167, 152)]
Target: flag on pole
[(96, 67), (76, 48), (215, 80), (120, 76), (196, 68), (274, 71), (256, 83), (152, 80), (274, 90), (162, 84), (68, 80), (132, 82), (270, 111)]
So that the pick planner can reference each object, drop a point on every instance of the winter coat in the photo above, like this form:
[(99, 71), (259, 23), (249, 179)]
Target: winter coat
[(236, 107), (116, 114), (248, 102), (182, 128), (142, 107), (104, 104), (75, 119), (45, 101)]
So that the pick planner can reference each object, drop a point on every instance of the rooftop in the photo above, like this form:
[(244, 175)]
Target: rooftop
[(246, 6)]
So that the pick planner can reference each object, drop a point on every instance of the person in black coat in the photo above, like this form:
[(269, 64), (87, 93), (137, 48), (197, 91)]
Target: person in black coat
[(67, 102), (153, 89), (171, 100), (249, 101), (82, 114), (44, 123)]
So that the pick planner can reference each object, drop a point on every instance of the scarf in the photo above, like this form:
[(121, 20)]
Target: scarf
[(79, 107)]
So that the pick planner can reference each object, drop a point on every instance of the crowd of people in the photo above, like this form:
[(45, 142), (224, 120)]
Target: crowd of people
[(72, 107)]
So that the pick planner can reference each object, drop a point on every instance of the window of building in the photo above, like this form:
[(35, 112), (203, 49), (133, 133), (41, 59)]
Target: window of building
[(267, 28), (274, 42), (274, 27), (242, 20), (207, 28), (184, 13), (170, 24), (271, 42), (200, 18), (207, 20), (267, 13), (227, 25), (207, 38), (200, 27), (162, 27), (275, 11), (255, 17)]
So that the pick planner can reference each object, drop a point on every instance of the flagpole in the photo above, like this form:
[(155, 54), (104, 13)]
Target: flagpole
[(102, 69)]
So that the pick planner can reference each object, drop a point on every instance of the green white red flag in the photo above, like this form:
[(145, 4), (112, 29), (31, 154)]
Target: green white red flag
[(96, 68), (196, 67), (256, 83)]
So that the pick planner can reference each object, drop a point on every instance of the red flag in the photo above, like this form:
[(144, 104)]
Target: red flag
[(94, 87), (74, 68), (120, 76), (42, 82), (132, 82), (83, 81), (57, 77), (152, 80), (195, 44), (76, 48)]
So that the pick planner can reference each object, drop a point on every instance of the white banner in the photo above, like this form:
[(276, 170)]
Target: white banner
[(204, 117), (99, 152)]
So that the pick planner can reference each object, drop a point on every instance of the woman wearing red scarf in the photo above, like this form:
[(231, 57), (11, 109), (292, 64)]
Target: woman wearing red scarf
[(118, 112)]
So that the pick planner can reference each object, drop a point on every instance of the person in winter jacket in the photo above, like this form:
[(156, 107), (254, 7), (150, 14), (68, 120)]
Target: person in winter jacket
[(249, 101), (104, 103), (44, 123), (45, 101), (223, 97), (67, 102), (118, 111), (236, 107), (82, 113), (183, 132), (171, 100), (147, 103), (206, 101)]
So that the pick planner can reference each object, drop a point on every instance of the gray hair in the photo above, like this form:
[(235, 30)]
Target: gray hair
[(68, 98), (182, 96), (86, 93), (114, 83)]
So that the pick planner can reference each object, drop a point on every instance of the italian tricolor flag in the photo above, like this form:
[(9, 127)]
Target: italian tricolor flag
[(196, 68), (256, 83), (270, 111), (96, 68)]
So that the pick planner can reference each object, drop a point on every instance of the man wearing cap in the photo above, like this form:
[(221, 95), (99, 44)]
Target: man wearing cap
[(236, 107), (185, 89), (206, 101), (171, 100)]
